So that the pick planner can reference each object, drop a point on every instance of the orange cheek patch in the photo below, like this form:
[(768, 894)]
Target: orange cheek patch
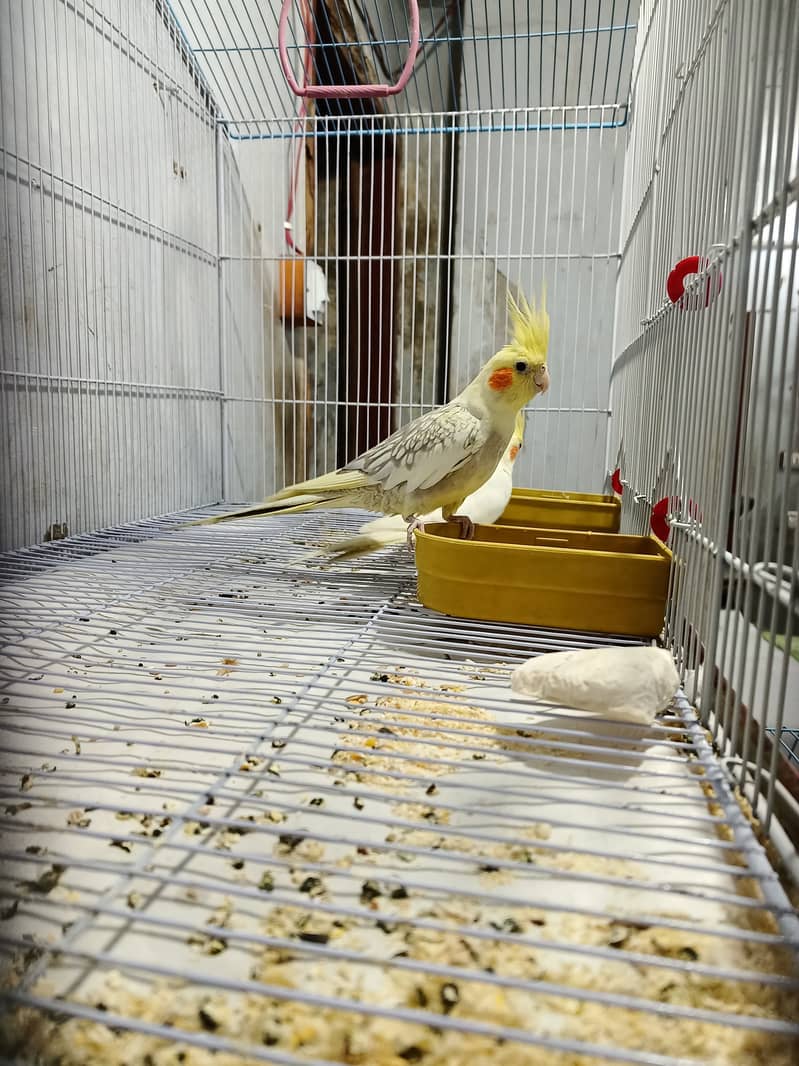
[(500, 380), (514, 452)]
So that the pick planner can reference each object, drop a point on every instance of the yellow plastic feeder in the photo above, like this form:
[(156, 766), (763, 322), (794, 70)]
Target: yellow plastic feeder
[(562, 510), (555, 578)]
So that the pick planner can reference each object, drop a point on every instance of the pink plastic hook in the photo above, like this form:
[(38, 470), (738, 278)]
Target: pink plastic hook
[(347, 92)]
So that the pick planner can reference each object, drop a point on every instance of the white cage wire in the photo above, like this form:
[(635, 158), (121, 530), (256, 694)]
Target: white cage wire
[(260, 807)]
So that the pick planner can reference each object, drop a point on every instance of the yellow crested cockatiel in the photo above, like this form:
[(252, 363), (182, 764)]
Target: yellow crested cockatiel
[(483, 507), (443, 456)]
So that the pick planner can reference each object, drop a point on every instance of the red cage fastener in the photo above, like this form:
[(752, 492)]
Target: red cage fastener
[(658, 521), (347, 92), (675, 283), (615, 481)]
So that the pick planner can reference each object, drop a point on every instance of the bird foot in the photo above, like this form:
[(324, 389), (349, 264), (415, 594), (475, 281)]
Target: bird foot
[(466, 525), (414, 524)]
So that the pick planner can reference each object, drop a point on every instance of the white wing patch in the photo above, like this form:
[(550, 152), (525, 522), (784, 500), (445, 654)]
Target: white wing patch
[(425, 451)]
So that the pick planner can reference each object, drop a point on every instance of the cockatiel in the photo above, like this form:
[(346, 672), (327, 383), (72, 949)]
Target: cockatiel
[(443, 456), (483, 507)]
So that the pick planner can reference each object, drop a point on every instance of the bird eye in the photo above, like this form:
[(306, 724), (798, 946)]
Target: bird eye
[(521, 366)]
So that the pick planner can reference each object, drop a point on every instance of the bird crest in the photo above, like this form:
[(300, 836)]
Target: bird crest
[(530, 326)]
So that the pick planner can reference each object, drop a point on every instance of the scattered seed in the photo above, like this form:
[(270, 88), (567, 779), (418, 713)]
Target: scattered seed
[(508, 925), (290, 840), (267, 882), (358, 804), (370, 890), (209, 1023), (450, 997), (48, 880), (314, 938), (400, 893), (411, 1054), (317, 801), (310, 884), (122, 844), (26, 782)]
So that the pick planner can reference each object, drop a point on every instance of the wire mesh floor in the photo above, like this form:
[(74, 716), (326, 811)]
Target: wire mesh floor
[(261, 807)]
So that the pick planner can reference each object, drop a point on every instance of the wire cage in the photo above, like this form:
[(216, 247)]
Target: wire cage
[(259, 806)]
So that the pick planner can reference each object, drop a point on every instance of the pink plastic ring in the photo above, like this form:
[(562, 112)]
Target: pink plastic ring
[(347, 92)]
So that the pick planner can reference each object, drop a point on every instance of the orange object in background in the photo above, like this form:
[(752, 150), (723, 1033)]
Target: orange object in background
[(291, 290)]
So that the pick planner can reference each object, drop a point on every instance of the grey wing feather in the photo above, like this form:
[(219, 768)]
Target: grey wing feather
[(420, 454)]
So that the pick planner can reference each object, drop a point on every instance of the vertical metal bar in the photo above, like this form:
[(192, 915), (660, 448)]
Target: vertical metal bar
[(728, 417), (221, 237)]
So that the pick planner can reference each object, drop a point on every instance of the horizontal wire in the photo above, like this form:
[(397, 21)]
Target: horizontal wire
[(448, 831), (516, 36), (109, 385), (112, 213), (413, 883), (280, 993), (535, 987), (461, 859)]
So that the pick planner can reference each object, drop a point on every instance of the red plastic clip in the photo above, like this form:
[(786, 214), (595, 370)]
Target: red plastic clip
[(615, 481), (675, 283), (658, 522)]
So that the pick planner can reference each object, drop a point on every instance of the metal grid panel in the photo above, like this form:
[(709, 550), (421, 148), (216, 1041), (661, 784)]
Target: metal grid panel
[(311, 810), (109, 246), (449, 256), (472, 56), (705, 397)]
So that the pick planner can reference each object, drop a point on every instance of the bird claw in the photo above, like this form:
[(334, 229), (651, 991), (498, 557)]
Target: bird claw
[(466, 525), (414, 525)]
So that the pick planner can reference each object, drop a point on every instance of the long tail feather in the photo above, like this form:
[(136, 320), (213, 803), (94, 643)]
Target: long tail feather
[(293, 506)]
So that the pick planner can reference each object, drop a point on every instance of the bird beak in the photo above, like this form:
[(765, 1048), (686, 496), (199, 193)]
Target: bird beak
[(541, 378)]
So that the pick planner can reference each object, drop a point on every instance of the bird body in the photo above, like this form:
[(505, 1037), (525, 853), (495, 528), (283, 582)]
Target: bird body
[(483, 507), (442, 457)]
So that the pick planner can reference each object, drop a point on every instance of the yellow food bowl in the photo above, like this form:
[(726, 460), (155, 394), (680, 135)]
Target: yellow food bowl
[(557, 578), (562, 510)]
